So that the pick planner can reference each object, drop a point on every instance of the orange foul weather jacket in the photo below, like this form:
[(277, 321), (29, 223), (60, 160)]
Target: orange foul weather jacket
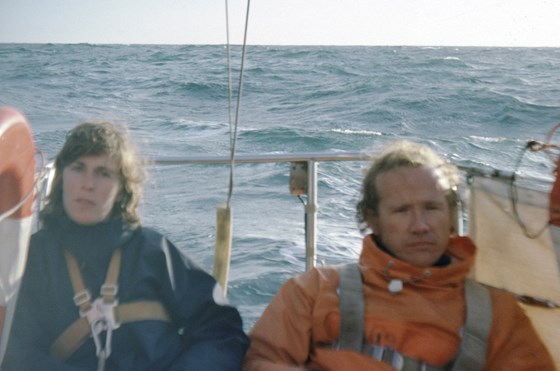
[(422, 321)]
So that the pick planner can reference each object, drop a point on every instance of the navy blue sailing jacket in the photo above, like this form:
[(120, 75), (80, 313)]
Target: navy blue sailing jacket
[(204, 332)]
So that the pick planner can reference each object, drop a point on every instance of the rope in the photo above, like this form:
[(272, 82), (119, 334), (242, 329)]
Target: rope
[(533, 146), (233, 132), (546, 146)]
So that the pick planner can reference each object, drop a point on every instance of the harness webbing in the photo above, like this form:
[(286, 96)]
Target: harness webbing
[(71, 339), (351, 308), (472, 351), (80, 330)]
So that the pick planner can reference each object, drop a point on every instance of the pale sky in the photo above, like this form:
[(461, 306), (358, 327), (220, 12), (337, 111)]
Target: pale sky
[(284, 22)]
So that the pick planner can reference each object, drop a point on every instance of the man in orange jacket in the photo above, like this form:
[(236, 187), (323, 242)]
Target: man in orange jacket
[(407, 304)]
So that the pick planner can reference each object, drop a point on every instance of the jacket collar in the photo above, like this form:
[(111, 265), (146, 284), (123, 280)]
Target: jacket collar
[(382, 264), (84, 241)]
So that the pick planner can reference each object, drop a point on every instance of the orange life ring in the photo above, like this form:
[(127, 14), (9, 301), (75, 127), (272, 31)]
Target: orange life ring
[(17, 178)]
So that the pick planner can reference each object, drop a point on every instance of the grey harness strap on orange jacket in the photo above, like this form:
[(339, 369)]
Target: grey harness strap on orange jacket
[(472, 351), (103, 314)]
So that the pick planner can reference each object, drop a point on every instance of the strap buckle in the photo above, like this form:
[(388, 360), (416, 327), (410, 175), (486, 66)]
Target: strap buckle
[(81, 298), (388, 355), (109, 292), (101, 317)]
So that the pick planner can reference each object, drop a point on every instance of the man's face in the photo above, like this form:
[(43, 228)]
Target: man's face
[(413, 218)]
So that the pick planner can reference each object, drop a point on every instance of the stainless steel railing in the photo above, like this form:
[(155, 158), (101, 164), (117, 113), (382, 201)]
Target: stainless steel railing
[(303, 174), (303, 164)]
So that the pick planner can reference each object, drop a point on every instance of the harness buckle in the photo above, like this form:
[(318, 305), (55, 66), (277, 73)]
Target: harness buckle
[(109, 291), (81, 298), (388, 355), (102, 313), (101, 317), (397, 361)]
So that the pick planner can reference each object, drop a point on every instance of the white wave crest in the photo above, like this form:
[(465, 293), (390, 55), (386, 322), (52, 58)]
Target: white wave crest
[(349, 131)]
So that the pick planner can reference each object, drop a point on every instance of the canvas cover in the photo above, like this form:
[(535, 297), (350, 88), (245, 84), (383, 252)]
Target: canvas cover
[(508, 258)]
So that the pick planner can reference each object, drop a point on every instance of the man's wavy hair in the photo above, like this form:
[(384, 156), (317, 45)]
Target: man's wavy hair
[(409, 155), (94, 139)]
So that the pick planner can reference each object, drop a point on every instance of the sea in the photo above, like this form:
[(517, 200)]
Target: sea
[(477, 106)]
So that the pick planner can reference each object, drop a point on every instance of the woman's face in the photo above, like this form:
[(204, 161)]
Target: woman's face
[(90, 188)]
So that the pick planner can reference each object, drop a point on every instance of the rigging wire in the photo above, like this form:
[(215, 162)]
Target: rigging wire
[(233, 131), (222, 253), (228, 57)]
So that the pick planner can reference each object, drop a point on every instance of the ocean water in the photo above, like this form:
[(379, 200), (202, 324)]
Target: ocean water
[(478, 106)]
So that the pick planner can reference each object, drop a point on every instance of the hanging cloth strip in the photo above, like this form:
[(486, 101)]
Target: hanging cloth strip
[(103, 314)]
